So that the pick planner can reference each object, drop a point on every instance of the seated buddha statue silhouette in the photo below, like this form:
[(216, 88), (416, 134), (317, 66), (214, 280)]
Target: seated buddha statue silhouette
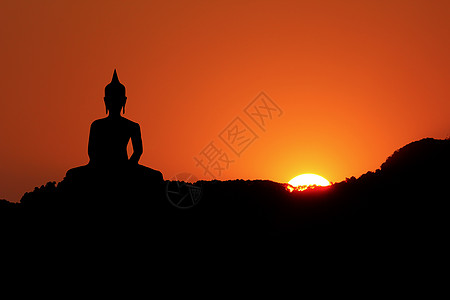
[(109, 137), (109, 164)]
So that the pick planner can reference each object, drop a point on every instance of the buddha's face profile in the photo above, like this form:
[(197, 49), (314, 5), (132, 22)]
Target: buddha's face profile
[(115, 103), (115, 98)]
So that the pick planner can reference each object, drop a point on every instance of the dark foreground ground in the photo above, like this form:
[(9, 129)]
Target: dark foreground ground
[(399, 211)]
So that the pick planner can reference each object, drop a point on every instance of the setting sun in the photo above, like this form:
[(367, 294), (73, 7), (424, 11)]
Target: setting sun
[(304, 181)]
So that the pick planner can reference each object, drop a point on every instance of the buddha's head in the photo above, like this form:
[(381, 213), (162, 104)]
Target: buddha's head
[(115, 98)]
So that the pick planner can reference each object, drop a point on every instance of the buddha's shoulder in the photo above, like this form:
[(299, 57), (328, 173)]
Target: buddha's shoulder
[(99, 122), (106, 121), (130, 123)]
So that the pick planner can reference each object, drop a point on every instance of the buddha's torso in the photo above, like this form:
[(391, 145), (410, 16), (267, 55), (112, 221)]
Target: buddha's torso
[(110, 138)]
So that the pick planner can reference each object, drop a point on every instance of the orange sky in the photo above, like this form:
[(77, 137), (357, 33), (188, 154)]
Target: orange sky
[(355, 80)]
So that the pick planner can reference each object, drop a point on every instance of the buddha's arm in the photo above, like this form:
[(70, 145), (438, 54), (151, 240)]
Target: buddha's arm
[(92, 146), (136, 141)]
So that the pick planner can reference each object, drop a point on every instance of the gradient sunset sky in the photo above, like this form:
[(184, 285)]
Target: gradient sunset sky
[(355, 81)]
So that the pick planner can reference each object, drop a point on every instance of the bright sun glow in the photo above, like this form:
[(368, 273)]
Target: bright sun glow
[(304, 181)]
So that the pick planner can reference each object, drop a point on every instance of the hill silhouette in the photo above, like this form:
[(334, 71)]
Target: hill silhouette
[(407, 198)]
